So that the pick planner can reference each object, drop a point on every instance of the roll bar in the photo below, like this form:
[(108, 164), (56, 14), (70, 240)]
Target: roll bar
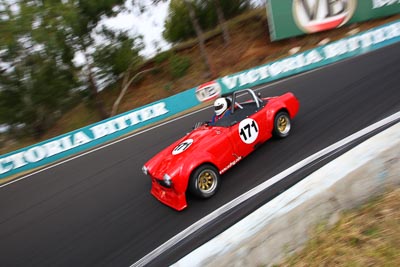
[(235, 94)]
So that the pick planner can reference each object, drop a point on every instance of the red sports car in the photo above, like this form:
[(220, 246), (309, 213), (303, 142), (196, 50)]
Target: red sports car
[(196, 161)]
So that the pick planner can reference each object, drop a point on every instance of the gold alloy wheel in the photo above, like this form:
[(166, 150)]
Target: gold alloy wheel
[(282, 124), (207, 181), (204, 181)]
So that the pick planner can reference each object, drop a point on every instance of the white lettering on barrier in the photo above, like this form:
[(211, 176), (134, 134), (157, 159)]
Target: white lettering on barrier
[(53, 147), (80, 138), (38, 153), (5, 165), (17, 160), (109, 127), (229, 82), (133, 117), (11, 162), (334, 50), (146, 113), (353, 44), (120, 123), (378, 36), (381, 3), (274, 69), (393, 31), (362, 41), (311, 57), (160, 109), (35, 154), (66, 143), (100, 130), (263, 71)]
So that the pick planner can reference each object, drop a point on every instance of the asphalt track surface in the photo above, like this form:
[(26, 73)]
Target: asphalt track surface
[(96, 210)]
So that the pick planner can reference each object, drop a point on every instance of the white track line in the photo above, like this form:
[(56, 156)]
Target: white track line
[(237, 201)]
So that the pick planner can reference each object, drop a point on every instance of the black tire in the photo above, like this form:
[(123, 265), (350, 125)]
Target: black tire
[(204, 181), (282, 125)]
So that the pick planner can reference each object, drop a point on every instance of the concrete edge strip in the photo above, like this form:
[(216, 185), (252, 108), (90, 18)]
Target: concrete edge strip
[(232, 204)]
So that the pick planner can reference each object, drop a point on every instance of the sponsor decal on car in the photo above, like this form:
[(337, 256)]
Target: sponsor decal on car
[(320, 15), (208, 91), (182, 146), (230, 165)]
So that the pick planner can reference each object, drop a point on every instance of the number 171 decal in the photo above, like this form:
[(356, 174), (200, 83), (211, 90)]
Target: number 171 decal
[(248, 130)]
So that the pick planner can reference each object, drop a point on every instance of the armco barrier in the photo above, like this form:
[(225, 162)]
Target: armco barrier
[(280, 227), (93, 135), (63, 146)]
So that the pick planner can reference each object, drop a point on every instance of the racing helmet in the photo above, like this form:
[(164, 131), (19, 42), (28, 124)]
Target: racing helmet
[(220, 105)]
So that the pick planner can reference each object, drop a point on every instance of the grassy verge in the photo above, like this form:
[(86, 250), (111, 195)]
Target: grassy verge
[(368, 236)]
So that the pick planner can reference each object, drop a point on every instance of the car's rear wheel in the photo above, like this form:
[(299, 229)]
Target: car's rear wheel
[(204, 181), (282, 125)]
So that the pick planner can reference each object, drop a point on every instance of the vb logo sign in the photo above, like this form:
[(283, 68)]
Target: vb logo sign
[(320, 15), (208, 91)]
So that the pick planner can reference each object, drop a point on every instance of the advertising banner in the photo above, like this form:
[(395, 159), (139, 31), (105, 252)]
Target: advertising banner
[(311, 59), (74, 142), (288, 18)]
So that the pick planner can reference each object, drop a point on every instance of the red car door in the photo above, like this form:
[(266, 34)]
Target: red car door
[(248, 133), (221, 147)]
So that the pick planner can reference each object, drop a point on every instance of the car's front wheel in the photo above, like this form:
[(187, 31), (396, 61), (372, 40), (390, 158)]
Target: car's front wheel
[(282, 125), (204, 181)]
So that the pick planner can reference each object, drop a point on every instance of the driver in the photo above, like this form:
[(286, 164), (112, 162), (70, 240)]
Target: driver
[(221, 108)]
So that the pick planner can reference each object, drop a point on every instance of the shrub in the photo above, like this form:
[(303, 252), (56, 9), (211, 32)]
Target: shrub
[(178, 66)]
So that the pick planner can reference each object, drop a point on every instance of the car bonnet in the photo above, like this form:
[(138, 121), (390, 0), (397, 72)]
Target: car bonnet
[(171, 159)]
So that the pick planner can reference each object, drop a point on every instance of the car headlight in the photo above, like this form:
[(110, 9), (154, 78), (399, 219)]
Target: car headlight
[(167, 180), (145, 170)]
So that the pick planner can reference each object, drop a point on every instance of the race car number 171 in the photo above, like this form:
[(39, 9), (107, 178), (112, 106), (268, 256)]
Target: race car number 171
[(248, 130)]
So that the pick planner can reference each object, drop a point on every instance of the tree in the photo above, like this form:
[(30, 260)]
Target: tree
[(117, 59), (200, 37), (38, 45), (117, 56), (190, 7), (210, 14), (178, 26), (221, 21), (82, 18), (38, 79)]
